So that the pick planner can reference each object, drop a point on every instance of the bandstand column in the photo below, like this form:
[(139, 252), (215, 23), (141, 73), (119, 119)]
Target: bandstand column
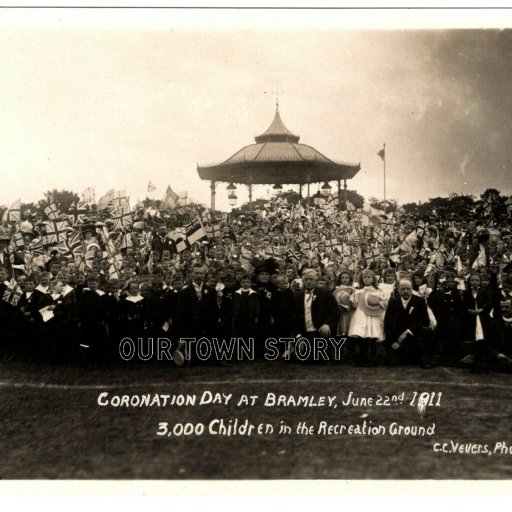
[(339, 195), (212, 194), (346, 193), (249, 186)]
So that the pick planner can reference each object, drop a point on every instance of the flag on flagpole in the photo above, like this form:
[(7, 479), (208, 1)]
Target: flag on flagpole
[(170, 199), (382, 153), (105, 201), (195, 233), (151, 188), (89, 196)]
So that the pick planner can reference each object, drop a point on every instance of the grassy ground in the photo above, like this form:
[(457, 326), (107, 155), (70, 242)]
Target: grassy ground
[(51, 425)]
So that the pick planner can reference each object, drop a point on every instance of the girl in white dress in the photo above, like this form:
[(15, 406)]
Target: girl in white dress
[(342, 294), (367, 322)]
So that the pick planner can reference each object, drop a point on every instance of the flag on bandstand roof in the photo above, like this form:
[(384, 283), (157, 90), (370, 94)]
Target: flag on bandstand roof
[(382, 153)]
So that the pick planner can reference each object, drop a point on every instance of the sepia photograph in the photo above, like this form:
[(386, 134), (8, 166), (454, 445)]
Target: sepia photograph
[(255, 244)]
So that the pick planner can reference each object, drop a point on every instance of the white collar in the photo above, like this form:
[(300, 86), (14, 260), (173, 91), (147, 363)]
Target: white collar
[(134, 298), (66, 290), (405, 302), (250, 291), (42, 289), (29, 294)]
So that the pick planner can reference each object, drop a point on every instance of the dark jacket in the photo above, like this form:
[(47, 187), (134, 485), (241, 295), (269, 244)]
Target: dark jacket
[(324, 310), (197, 317), (397, 319)]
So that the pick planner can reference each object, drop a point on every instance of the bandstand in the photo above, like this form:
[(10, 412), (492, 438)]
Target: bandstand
[(277, 158)]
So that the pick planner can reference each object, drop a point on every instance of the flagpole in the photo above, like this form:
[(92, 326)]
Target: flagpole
[(384, 161)]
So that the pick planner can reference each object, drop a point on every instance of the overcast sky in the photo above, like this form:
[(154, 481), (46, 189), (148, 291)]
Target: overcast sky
[(115, 108)]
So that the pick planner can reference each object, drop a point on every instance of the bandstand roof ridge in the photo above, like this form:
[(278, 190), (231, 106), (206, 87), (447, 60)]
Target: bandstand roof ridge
[(277, 131)]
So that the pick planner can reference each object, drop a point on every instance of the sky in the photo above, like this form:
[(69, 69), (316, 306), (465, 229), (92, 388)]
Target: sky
[(99, 103)]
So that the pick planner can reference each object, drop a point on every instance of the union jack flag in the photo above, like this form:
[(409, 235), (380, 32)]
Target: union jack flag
[(13, 213), (12, 293), (213, 231), (332, 244), (121, 218), (77, 213), (56, 232), (206, 216), (36, 247), (52, 212), (17, 241), (73, 245)]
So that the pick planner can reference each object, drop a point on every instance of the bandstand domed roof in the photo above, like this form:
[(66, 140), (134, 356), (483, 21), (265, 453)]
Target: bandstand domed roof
[(277, 157)]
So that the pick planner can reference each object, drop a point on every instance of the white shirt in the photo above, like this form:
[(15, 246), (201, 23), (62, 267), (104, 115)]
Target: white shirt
[(405, 302), (198, 288), (308, 300)]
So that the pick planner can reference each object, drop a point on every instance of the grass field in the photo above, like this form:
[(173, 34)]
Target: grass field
[(51, 426)]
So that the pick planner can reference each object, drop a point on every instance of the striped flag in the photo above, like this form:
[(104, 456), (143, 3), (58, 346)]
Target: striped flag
[(195, 232), (182, 245)]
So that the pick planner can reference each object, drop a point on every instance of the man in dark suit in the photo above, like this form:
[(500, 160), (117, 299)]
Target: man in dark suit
[(161, 242), (29, 319), (406, 325), (315, 316), (197, 313), (498, 350)]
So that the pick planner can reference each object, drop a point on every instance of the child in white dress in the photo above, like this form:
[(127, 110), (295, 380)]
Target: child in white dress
[(367, 323)]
